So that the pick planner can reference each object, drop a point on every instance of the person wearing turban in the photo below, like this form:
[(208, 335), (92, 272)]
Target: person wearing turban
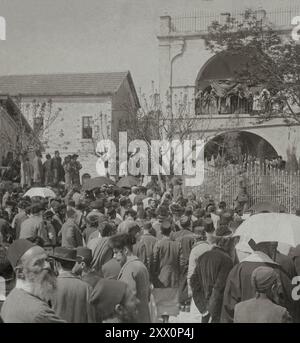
[(263, 307)]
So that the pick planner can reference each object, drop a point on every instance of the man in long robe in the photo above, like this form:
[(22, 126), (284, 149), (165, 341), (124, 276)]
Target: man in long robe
[(239, 288)]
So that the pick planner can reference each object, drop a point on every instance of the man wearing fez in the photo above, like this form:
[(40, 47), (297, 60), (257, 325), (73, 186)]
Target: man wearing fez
[(35, 286), (263, 307), (71, 299)]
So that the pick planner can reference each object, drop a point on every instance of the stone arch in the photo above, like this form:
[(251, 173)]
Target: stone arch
[(217, 86), (250, 144)]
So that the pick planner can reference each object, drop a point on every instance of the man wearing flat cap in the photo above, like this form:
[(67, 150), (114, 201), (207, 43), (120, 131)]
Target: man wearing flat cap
[(35, 286), (263, 307)]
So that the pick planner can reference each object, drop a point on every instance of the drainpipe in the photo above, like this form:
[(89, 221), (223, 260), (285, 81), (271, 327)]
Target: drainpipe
[(178, 51)]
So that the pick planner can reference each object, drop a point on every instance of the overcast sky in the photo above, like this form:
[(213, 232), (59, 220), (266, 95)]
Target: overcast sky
[(52, 36)]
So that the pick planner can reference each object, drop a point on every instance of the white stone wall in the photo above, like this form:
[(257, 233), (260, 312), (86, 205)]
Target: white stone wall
[(64, 121)]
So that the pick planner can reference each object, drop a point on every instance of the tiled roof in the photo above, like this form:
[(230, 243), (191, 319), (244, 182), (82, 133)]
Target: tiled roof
[(62, 84)]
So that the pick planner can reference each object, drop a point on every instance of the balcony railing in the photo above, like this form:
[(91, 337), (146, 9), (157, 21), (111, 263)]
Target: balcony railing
[(199, 21)]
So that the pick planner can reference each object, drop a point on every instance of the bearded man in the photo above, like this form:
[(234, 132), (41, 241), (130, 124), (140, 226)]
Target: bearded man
[(29, 301)]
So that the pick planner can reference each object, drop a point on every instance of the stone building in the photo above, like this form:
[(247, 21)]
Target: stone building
[(186, 67), (14, 128), (72, 112)]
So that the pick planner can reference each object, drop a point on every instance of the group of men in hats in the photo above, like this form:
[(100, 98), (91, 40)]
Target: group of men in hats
[(54, 294), (112, 257)]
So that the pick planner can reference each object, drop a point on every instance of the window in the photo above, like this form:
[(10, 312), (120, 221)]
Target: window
[(87, 128)]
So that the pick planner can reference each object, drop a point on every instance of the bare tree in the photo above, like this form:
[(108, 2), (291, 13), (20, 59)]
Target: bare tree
[(164, 121)]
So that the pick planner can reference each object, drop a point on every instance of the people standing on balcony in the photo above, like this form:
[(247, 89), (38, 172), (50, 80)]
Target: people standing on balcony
[(265, 98)]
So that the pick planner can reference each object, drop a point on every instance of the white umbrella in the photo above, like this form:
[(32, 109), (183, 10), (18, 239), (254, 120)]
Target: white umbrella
[(271, 227), (40, 192)]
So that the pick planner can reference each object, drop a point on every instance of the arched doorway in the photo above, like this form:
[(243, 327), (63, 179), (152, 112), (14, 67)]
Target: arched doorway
[(236, 147), (221, 87)]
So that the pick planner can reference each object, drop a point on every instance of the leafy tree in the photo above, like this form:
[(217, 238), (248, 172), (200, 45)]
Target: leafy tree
[(271, 59)]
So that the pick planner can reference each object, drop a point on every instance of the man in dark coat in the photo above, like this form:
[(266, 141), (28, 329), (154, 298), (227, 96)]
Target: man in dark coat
[(35, 285), (143, 249), (111, 269), (239, 288), (71, 236), (57, 168), (133, 272), (71, 299), (167, 260), (186, 239), (101, 250), (209, 279)]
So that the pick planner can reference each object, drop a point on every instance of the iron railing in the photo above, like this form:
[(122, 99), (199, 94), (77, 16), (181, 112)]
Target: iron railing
[(198, 21)]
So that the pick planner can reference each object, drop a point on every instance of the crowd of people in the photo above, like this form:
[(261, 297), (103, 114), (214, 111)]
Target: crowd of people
[(36, 172), (248, 162), (137, 256), (238, 99)]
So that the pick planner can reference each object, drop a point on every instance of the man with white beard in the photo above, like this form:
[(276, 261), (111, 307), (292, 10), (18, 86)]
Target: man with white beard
[(35, 285)]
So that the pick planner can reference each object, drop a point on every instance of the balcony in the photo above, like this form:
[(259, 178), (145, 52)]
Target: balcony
[(199, 21)]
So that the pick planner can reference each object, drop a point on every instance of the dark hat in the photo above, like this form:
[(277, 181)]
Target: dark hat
[(176, 209), (85, 254), (226, 218), (97, 204), (208, 225), (92, 219), (65, 254), (71, 213), (198, 223), (199, 213), (147, 226), (55, 204), (74, 156), (17, 249), (22, 204), (48, 214), (185, 222), (106, 295), (162, 212), (223, 231), (36, 208)]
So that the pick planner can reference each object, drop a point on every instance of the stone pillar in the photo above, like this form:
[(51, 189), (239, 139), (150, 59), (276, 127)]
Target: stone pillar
[(165, 25)]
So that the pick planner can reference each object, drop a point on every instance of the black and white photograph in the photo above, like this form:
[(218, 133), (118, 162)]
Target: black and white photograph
[(149, 163)]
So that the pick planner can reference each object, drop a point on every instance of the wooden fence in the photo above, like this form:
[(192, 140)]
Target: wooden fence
[(263, 184)]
